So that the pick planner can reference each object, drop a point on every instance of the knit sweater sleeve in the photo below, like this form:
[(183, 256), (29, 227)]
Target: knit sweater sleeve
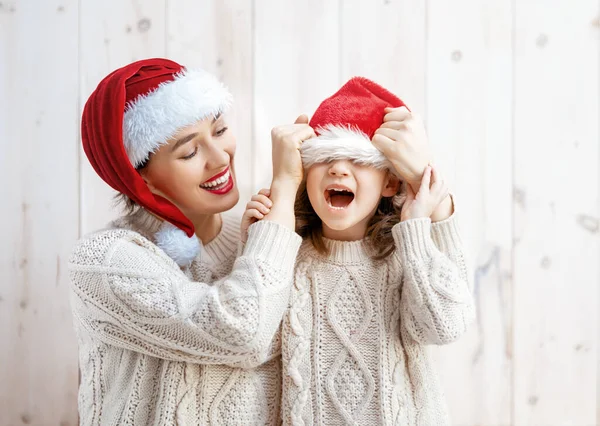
[(436, 301), (128, 293)]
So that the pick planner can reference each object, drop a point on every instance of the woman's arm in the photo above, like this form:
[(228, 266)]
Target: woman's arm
[(129, 294)]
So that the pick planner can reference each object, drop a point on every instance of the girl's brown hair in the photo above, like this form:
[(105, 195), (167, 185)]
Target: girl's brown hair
[(379, 229)]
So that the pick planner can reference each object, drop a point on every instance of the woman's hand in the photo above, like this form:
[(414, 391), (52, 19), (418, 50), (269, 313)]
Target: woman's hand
[(403, 140), (286, 140), (258, 207), (432, 192)]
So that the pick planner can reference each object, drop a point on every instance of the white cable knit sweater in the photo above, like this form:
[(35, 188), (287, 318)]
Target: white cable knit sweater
[(164, 346), (353, 342)]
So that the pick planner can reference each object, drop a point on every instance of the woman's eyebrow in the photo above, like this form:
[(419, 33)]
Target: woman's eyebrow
[(183, 140)]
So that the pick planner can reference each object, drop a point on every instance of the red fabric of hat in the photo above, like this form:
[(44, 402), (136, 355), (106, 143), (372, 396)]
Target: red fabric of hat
[(135, 110), (346, 122)]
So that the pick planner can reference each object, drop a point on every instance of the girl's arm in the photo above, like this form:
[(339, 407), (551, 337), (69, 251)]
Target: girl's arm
[(436, 302), (436, 299), (128, 293)]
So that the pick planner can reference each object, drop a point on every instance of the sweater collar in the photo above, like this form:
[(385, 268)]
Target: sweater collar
[(348, 252), (173, 242)]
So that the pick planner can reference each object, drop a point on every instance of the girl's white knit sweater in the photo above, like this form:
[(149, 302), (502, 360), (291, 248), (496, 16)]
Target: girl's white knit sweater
[(354, 342), (163, 346)]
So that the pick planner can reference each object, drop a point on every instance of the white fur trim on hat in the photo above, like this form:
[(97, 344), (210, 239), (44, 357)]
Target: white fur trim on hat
[(342, 143), (176, 244), (152, 119)]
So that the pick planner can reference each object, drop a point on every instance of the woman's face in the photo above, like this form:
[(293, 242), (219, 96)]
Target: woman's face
[(345, 196), (195, 169)]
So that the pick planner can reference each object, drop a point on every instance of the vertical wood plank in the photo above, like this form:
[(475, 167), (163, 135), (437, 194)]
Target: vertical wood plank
[(216, 36), (296, 66), (385, 41), (469, 107), (39, 210), (556, 269), (113, 33)]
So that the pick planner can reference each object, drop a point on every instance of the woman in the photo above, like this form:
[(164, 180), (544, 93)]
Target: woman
[(172, 328)]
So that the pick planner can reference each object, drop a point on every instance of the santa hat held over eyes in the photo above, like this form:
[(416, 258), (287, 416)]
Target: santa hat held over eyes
[(346, 122), (134, 111)]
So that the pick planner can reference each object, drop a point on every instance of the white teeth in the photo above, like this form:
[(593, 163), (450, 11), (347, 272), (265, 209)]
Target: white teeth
[(217, 182)]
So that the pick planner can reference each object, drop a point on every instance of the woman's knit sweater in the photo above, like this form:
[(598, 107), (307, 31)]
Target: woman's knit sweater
[(354, 341), (163, 346)]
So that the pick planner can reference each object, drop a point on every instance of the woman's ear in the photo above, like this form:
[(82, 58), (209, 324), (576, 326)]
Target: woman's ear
[(392, 185), (144, 174)]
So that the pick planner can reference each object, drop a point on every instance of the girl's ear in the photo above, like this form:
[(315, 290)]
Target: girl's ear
[(391, 186)]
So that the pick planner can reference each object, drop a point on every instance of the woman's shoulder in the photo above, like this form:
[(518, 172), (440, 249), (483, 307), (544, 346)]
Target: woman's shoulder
[(114, 245)]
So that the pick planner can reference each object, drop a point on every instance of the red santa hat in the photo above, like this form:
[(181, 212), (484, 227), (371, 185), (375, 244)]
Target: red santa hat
[(346, 122), (134, 111)]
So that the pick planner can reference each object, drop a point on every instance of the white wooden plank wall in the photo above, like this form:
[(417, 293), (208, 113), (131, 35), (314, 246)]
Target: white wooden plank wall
[(509, 90)]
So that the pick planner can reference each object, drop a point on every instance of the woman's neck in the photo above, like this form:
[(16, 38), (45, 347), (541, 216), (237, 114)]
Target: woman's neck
[(208, 227)]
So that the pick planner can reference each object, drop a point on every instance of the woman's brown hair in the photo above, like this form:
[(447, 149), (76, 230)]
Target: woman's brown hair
[(379, 229)]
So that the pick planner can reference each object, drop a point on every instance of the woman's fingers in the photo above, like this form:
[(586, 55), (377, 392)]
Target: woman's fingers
[(396, 114), (381, 141), (302, 119), (391, 134)]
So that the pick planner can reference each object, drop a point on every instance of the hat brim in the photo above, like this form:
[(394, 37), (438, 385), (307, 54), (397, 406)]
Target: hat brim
[(342, 143), (152, 119)]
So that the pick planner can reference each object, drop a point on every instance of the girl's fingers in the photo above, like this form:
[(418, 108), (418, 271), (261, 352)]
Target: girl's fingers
[(265, 191), (253, 214), (263, 199), (257, 205), (434, 175), (425, 181)]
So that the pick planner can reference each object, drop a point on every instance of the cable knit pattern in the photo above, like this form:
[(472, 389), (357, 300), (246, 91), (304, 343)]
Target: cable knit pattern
[(164, 345), (354, 339)]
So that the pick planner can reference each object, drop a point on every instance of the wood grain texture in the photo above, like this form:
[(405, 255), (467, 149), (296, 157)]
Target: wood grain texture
[(469, 118), (39, 211), (112, 33), (556, 212)]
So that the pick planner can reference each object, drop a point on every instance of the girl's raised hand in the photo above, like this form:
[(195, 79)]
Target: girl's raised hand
[(432, 191), (256, 209)]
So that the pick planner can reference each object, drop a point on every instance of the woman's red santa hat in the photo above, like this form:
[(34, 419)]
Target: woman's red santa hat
[(131, 114), (346, 122)]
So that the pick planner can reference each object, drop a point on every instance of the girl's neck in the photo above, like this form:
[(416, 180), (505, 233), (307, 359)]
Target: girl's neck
[(353, 233)]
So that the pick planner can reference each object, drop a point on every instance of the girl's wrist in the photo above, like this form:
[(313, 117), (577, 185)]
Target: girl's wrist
[(444, 210)]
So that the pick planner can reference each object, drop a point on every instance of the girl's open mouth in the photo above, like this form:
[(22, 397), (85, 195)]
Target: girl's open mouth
[(338, 197)]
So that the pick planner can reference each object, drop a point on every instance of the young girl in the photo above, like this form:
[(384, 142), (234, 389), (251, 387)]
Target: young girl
[(172, 328), (375, 280)]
